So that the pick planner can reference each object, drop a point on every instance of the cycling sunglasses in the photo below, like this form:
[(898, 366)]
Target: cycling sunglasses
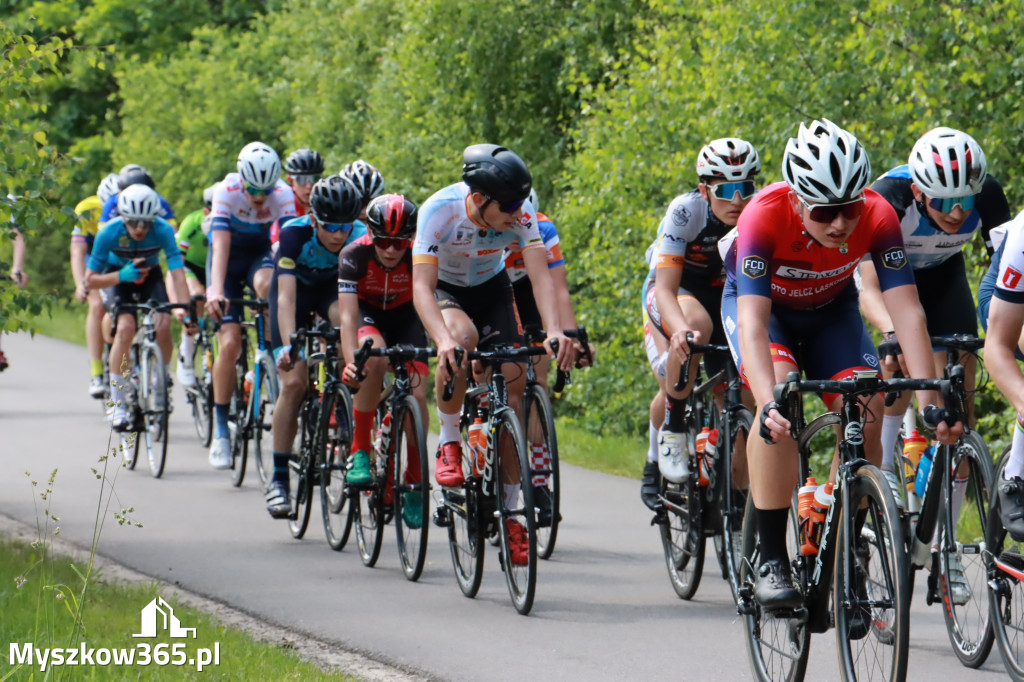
[(727, 190), (256, 191), (138, 224), (334, 227), (966, 204), (826, 213), (510, 207), (305, 180), (392, 242)]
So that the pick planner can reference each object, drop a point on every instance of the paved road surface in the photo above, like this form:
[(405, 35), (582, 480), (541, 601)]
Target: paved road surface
[(604, 609)]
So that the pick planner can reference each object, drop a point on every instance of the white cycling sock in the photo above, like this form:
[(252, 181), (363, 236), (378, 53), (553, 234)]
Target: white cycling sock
[(116, 392), (187, 347), (891, 425), (449, 426), (652, 443), (1015, 465)]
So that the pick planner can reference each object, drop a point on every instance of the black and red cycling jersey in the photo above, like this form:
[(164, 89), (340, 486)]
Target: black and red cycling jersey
[(359, 272)]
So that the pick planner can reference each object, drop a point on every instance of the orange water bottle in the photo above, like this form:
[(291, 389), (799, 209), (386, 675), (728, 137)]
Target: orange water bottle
[(707, 469), (913, 447), (701, 445), (819, 510), (477, 446), (804, 498)]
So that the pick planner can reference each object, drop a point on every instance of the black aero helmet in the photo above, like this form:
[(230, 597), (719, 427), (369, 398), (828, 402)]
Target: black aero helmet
[(134, 174), (391, 216), (335, 199), (304, 162), (496, 172)]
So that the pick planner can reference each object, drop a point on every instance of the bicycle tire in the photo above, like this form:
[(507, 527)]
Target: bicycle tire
[(732, 513), (239, 419), (129, 448), (540, 424), (200, 396), (335, 443), (155, 405), (466, 528), (368, 520), (301, 467), (512, 466), (968, 624), (682, 531), (1005, 589), (778, 647), (263, 418), (865, 651), (411, 487)]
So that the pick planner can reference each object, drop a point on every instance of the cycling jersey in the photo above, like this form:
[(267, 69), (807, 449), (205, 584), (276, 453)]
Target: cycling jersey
[(926, 245), (770, 254), (514, 256), (114, 247), (988, 282), (110, 210), (466, 253), (1010, 282), (275, 229), (688, 239), (88, 211), (192, 241), (302, 255), (361, 273), (249, 227)]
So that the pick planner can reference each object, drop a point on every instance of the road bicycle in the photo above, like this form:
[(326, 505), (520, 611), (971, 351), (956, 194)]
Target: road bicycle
[(324, 438), (542, 441), (147, 393), (945, 527), (199, 396), (1004, 561), (858, 579), (692, 512), (497, 496), (399, 466), (250, 411)]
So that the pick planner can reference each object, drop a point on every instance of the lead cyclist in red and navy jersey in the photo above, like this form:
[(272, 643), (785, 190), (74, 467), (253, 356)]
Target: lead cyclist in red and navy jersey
[(790, 303), (683, 295)]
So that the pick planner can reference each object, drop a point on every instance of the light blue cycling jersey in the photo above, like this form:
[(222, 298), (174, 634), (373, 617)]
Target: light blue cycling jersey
[(302, 255), (465, 252), (114, 247)]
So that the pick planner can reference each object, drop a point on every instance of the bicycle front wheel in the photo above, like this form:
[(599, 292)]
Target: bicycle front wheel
[(201, 395), (334, 441), (778, 643), (368, 518), (869, 584), (466, 526), (1005, 559), (732, 501), (516, 510), (682, 532), (239, 421), (155, 403), (411, 485), (301, 469), (265, 397), (543, 447)]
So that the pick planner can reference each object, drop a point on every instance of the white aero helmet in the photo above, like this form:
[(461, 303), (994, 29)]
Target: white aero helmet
[(138, 202), (728, 158), (825, 164), (366, 178), (947, 163), (259, 165), (107, 188)]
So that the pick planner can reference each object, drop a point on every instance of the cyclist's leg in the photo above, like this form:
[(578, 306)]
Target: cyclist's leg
[(118, 362), (94, 334), (364, 402), (187, 347)]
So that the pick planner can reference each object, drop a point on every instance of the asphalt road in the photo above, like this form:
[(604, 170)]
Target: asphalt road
[(604, 608)]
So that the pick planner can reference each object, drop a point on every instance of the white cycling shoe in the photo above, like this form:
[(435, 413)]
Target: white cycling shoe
[(220, 453), (672, 459)]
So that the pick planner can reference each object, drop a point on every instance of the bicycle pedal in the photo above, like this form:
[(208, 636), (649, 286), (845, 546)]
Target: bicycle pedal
[(660, 518), (442, 518)]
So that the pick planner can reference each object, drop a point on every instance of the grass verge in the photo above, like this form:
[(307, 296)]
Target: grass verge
[(33, 603)]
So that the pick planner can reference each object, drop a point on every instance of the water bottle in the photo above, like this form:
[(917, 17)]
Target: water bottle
[(819, 510), (383, 433), (250, 376), (923, 468), (477, 446), (913, 447), (805, 496), (710, 453), (700, 445)]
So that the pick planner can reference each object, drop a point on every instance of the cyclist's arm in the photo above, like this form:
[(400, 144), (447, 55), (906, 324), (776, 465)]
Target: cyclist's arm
[(754, 315), (220, 242), (560, 279), (78, 252), (1005, 321), (286, 291), (424, 283), (348, 310), (666, 289), (872, 304), (535, 260)]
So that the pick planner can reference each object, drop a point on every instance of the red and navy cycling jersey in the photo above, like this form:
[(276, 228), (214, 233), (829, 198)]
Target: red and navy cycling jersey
[(359, 272), (773, 256)]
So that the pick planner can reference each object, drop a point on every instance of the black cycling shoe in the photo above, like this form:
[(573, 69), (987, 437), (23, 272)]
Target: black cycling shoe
[(774, 588), (1011, 506), (860, 618), (649, 485), (544, 503)]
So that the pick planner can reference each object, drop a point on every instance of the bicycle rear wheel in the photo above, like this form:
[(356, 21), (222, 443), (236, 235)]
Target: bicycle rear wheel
[(239, 420), (778, 643), (732, 502), (263, 417), (200, 396), (301, 469), (411, 486), (543, 448), (869, 585), (516, 512), (1005, 559), (682, 532), (335, 441), (155, 401), (466, 525), (963, 575)]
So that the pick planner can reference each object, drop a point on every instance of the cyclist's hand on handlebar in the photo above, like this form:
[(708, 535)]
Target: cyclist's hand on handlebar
[(216, 305), (583, 359), (936, 420), (349, 375), (448, 364), (284, 361), (773, 424), (82, 292), (565, 358), (680, 344)]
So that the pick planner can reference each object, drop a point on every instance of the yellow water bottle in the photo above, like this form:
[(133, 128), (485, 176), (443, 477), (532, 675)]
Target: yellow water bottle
[(913, 447)]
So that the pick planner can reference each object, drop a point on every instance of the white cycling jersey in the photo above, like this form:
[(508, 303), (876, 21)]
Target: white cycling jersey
[(249, 227), (1010, 283), (465, 252)]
